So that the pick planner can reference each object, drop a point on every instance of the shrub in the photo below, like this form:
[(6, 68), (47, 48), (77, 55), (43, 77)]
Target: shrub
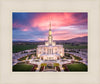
[(34, 67), (57, 68), (65, 67), (42, 68)]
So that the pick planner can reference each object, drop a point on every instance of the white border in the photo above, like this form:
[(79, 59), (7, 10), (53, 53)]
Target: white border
[(9, 77)]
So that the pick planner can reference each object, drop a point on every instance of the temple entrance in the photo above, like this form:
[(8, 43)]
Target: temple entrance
[(50, 67)]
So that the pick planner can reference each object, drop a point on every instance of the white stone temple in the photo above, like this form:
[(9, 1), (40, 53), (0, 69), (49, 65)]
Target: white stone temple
[(50, 51)]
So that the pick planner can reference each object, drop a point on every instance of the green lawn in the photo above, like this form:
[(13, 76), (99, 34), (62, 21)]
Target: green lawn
[(23, 58), (18, 48), (77, 58), (30, 56), (21, 63), (77, 67), (22, 67), (75, 47), (67, 56)]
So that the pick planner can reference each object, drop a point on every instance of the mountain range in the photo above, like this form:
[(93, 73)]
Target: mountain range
[(78, 39)]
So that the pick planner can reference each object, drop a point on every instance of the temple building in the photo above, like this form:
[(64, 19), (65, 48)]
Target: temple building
[(50, 51)]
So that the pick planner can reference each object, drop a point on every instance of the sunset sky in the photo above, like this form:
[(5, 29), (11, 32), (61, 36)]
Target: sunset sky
[(35, 26)]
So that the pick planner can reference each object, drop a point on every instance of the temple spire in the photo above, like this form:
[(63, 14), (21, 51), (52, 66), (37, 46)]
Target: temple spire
[(50, 24), (50, 38), (50, 28)]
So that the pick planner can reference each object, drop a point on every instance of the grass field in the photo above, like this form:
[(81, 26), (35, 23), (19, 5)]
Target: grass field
[(75, 47), (23, 58), (30, 56), (22, 67), (18, 48), (77, 58), (77, 67)]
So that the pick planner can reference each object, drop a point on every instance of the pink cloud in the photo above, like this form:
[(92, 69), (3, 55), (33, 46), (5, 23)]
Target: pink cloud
[(68, 36), (25, 29), (21, 27), (57, 20), (41, 39), (63, 35), (62, 32)]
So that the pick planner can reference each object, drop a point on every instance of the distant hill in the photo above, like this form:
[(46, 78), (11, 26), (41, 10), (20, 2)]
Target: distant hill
[(79, 39), (25, 41)]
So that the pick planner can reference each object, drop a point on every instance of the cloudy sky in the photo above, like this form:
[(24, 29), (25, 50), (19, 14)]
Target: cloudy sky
[(35, 26)]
